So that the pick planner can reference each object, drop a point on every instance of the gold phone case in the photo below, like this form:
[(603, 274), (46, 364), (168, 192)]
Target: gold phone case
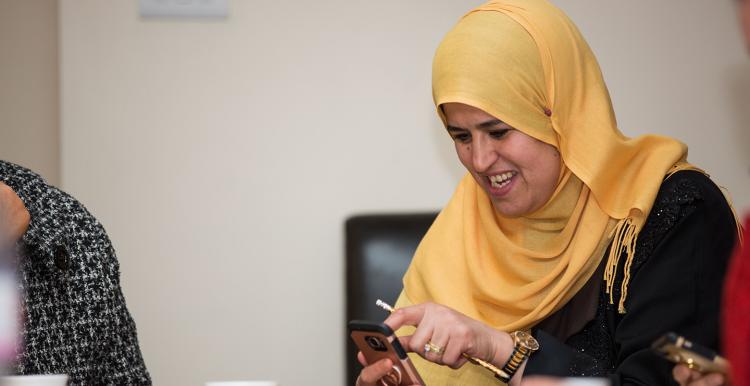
[(677, 349), (377, 341)]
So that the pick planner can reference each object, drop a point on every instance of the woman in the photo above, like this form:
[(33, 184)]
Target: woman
[(595, 243)]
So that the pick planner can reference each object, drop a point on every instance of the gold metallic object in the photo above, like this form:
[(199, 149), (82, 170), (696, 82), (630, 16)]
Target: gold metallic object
[(680, 350), (432, 347), (393, 378), (524, 346)]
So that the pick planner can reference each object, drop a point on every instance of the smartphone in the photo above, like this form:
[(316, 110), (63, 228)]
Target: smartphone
[(677, 349), (377, 341)]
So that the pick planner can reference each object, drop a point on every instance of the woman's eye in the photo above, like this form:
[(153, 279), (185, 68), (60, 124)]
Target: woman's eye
[(497, 134), (463, 138)]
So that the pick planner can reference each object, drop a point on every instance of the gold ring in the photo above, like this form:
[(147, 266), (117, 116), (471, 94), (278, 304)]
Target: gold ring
[(432, 347)]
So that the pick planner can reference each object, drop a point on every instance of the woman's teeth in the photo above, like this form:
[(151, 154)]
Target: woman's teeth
[(500, 180)]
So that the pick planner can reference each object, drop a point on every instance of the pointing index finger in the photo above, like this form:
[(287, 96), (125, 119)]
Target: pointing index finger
[(407, 316)]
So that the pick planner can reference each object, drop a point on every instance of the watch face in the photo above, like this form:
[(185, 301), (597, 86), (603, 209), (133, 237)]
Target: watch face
[(526, 340)]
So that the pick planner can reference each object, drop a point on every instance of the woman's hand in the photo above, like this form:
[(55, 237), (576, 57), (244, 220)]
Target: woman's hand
[(14, 218), (686, 377), (452, 332), (371, 374)]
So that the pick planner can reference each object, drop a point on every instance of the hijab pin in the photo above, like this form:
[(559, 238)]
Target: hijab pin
[(547, 112)]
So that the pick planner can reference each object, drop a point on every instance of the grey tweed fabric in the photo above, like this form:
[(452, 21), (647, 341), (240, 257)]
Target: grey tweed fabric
[(76, 321)]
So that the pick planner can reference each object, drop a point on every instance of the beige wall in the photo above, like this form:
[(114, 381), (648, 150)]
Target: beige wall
[(223, 156), (678, 68), (29, 124)]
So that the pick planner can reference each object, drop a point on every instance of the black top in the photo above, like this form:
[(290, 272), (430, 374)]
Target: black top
[(675, 285), (76, 321)]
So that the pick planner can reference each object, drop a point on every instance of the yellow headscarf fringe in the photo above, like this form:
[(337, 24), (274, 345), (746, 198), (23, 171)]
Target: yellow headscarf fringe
[(626, 237)]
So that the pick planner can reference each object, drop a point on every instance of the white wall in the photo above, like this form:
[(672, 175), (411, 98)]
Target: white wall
[(29, 104), (678, 68), (224, 156)]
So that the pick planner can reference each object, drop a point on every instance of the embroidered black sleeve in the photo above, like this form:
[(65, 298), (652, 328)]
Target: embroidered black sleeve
[(675, 285), (674, 202)]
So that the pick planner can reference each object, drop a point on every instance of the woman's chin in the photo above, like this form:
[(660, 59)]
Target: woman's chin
[(508, 209)]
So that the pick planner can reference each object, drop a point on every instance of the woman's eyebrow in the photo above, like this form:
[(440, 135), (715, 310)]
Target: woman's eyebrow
[(490, 123), (484, 125)]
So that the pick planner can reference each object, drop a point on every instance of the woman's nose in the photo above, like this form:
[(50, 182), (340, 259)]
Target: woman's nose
[(483, 155)]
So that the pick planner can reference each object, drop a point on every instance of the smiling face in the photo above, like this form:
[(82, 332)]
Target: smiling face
[(518, 172)]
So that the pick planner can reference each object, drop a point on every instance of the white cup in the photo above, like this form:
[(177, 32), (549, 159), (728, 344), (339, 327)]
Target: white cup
[(242, 383), (34, 380)]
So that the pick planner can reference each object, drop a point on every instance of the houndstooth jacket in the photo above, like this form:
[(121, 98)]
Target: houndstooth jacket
[(76, 321)]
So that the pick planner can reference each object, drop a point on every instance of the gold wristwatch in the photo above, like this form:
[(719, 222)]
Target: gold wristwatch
[(524, 346)]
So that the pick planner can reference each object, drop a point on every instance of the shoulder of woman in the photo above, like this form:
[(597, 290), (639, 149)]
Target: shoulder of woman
[(58, 220), (684, 196), (19, 178), (683, 193)]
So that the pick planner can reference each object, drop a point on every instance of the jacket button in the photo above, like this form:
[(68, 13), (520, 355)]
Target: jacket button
[(61, 258)]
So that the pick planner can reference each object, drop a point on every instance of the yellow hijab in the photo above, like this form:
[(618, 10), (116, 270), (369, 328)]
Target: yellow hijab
[(526, 63)]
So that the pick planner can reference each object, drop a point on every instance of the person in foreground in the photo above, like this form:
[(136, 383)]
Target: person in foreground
[(593, 243), (75, 318)]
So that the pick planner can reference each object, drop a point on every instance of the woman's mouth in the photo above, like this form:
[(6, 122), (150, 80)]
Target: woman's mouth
[(501, 183)]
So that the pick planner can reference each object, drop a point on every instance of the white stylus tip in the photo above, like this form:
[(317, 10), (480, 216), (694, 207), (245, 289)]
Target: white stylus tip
[(384, 305)]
